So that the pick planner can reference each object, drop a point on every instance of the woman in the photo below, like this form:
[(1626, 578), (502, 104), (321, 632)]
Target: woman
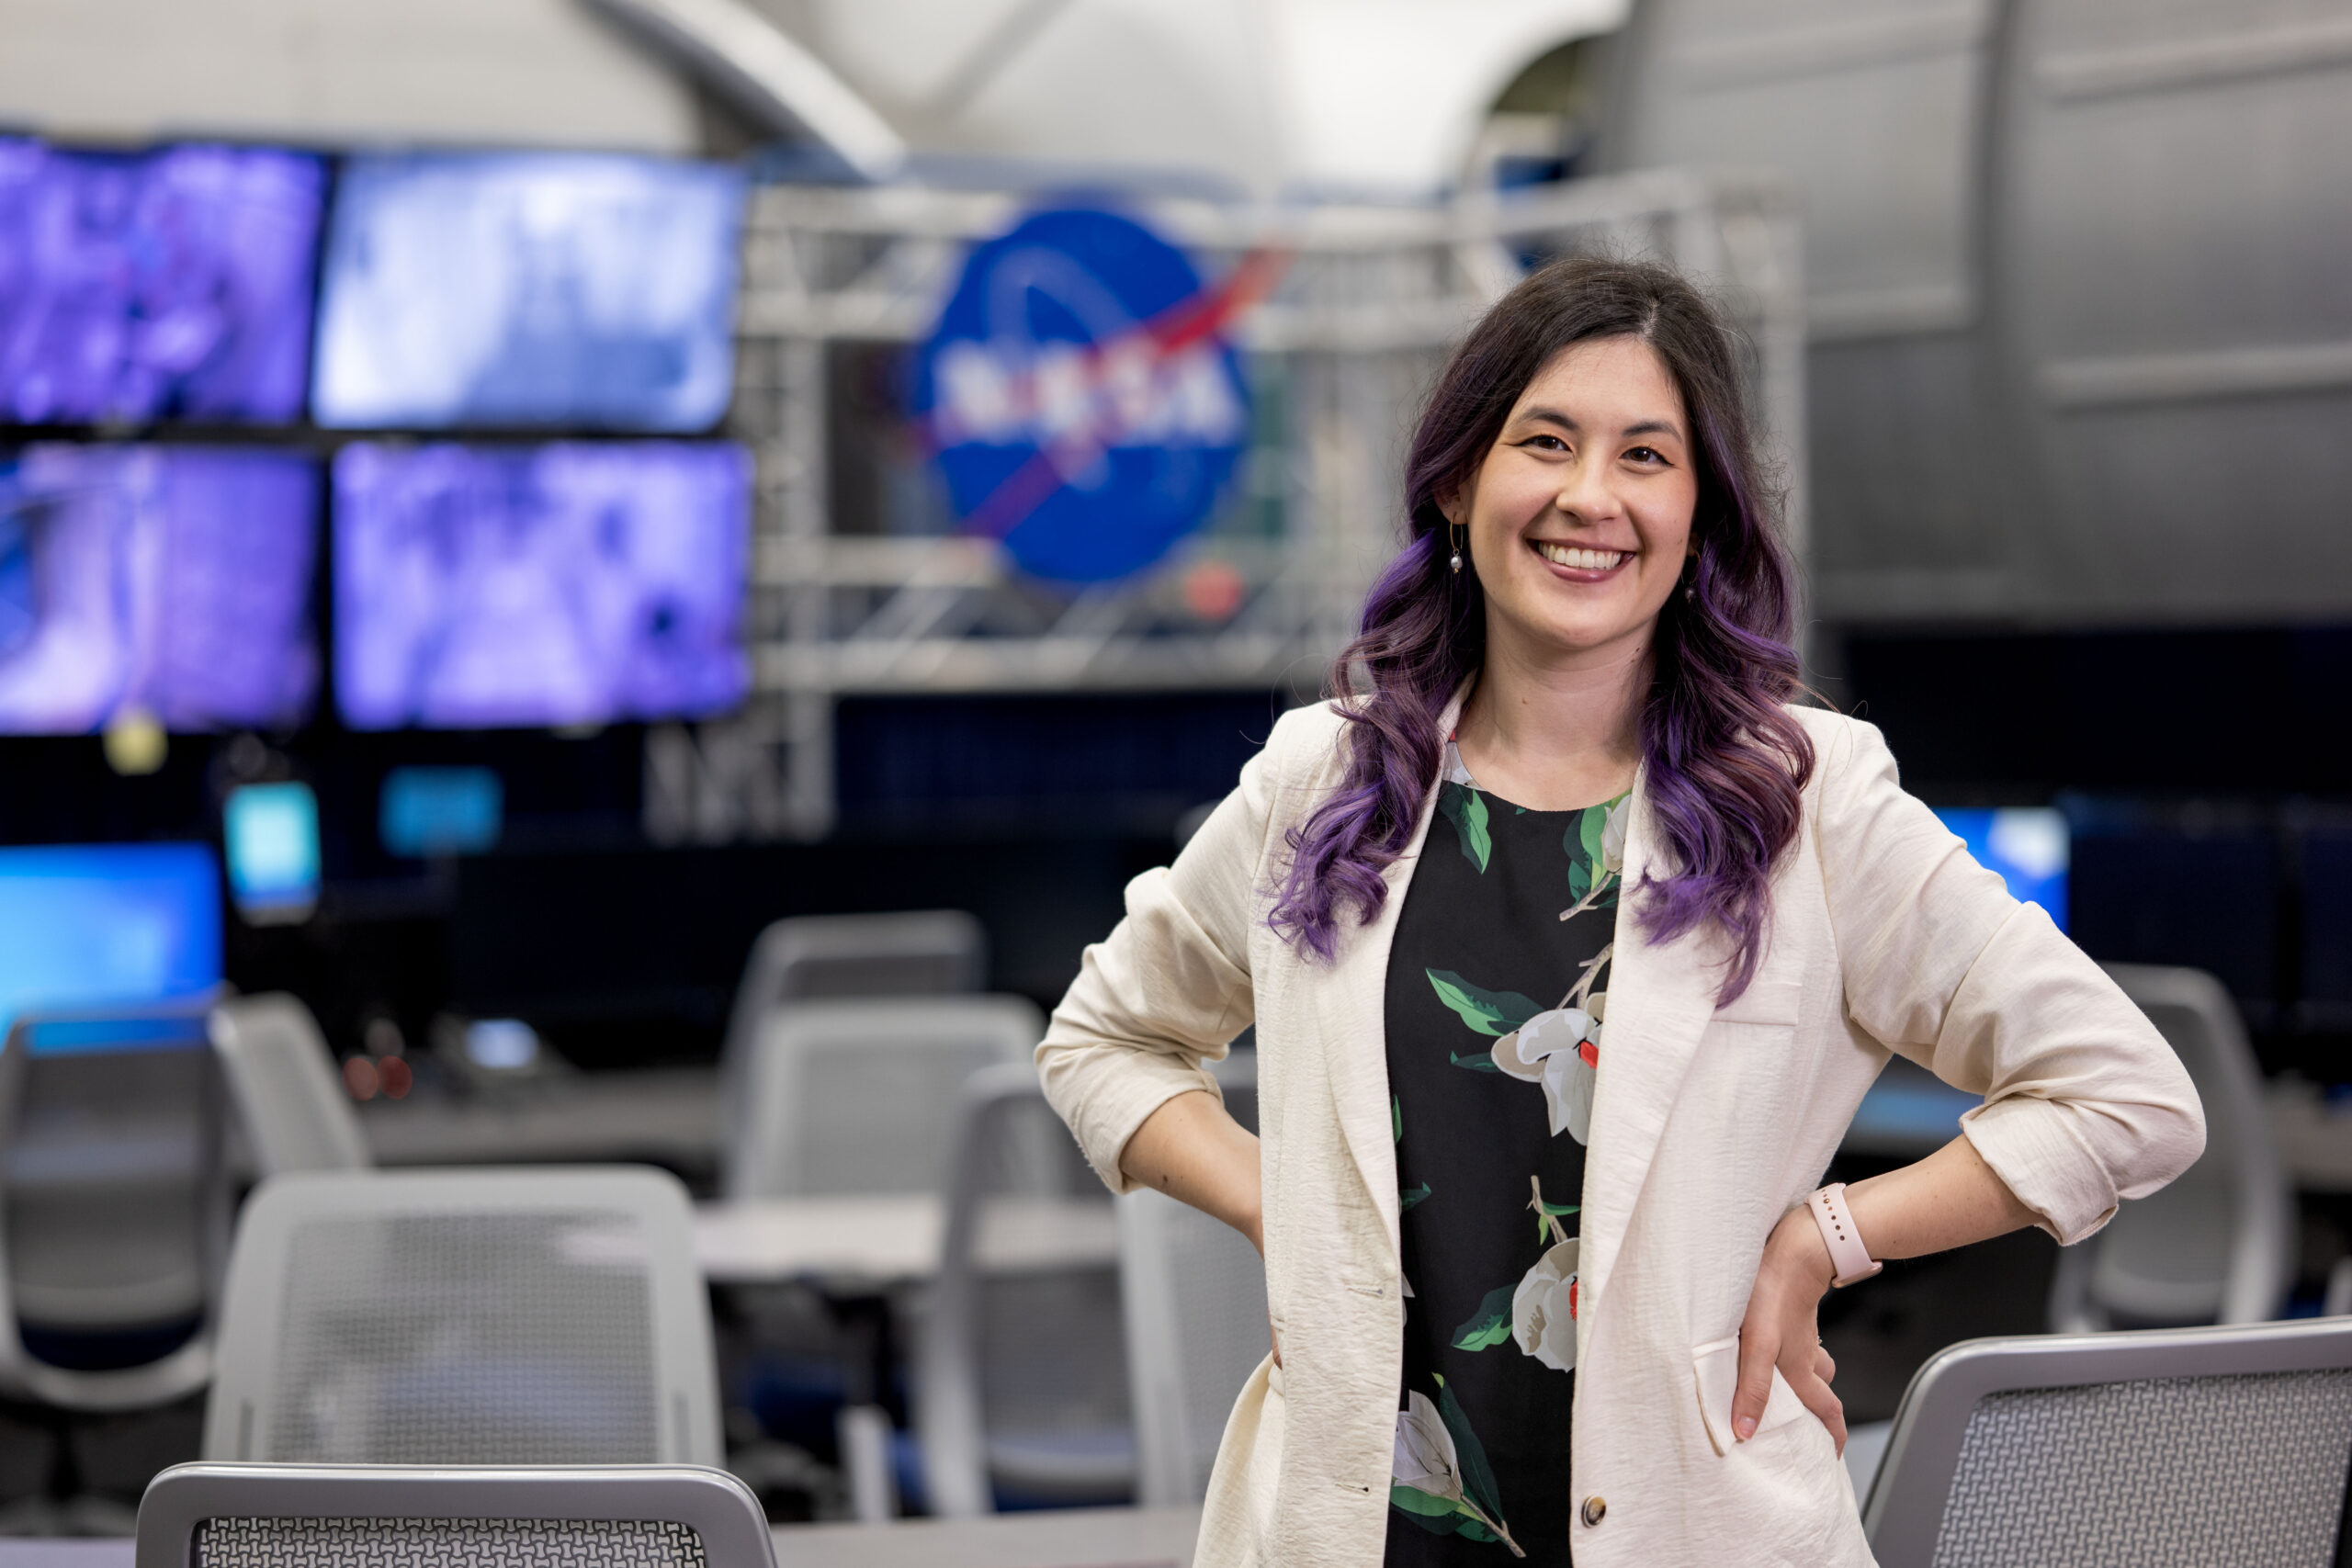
[(1571, 949)]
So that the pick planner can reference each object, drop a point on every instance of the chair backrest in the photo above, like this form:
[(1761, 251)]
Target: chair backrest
[(806, 958), (2164, 1449), (1194, 1293), (283, 1080), (1022, 1379), (267, 1515), (115, 1217), (2218, 1245), (862, 1097), (538, 1316)]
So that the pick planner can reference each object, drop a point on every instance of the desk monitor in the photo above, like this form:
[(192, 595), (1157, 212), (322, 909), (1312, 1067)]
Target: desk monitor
[(172, 580), (84, 927), (271, 833), (168, 285), (2030, 847), (528, 290), (571, 583)]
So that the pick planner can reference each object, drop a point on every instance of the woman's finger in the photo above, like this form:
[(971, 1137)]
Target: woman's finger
[(1825, 1365), (1757, 1352)]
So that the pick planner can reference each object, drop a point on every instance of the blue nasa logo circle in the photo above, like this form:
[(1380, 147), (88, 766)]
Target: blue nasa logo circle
[(1080, 397)]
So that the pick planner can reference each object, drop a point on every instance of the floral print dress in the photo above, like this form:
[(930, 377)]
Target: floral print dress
[(1493, 1004)]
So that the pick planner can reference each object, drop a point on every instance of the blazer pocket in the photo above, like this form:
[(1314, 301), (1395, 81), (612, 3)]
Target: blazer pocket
[(1764, 1001), (1716, 1369)]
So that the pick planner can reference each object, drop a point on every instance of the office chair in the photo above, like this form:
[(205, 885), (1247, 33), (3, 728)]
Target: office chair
[(1194, 1294), (862, 1097), (1021, 1383), (290, 1097), (117, 1208), (918, 953), (2179, 1447), (2219, 1243), (267, 1515), (533, 1317)]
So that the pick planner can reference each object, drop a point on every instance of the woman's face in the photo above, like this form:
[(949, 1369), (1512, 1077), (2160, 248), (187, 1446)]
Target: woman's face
[(1579, 521)]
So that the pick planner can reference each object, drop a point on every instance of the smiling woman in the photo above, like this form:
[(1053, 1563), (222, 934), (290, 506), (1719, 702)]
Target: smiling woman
[(1572, 943)]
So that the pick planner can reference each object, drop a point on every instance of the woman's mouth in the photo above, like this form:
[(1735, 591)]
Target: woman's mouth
[(1579, 559)]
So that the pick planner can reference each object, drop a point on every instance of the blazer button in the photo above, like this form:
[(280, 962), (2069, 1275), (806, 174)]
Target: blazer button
[(1595, 1507)]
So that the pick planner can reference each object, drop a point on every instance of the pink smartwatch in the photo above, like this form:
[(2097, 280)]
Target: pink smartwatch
[(1847, 1256)]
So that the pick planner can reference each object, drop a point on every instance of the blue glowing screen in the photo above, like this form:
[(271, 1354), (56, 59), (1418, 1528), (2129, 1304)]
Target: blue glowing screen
[(564, 585), (167, 285), (441, 811), (88, 926), (173, 580), (2030, 847), (271, 831), (528, 290)]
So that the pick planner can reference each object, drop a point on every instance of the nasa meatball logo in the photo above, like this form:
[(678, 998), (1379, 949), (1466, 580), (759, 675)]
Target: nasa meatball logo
[(1080, 396)]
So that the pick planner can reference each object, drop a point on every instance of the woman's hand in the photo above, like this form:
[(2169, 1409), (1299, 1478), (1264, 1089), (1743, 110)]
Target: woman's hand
[(1781, 1329)]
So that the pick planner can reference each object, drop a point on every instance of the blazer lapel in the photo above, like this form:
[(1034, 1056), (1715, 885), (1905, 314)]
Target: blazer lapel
[(1660, 997), (1351, 1005)]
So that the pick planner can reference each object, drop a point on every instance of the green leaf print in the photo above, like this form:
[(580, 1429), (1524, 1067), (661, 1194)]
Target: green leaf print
[(1491, 1013), (1481, 1063), (1408, 1196), (1396, 1120), (1490, 1325), (1422, 1504), (1591, 823), (1477, 1479), (1467, 809), (1549, 1212)]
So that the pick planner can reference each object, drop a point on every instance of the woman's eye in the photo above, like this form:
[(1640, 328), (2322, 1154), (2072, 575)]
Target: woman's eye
[(1647, 454), (1545, 443)]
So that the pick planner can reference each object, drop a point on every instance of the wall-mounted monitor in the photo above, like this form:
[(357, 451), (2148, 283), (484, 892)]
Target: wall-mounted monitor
[(173, 581), (2031, 847), (571, 583), (271, 833), (171, 284), (528, 290), (93, 926)]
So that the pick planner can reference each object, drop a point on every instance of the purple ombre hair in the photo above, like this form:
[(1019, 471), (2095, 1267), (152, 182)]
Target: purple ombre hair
[(1724, 760)]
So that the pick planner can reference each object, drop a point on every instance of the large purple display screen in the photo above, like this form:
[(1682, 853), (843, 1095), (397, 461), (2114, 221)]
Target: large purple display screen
[(171, 284), (568, 584), (173, 581)]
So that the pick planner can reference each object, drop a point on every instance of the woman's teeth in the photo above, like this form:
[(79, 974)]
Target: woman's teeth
[(1583, 560)]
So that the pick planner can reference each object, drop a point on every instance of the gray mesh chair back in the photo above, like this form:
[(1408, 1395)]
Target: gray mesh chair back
[(1022, 1381), (2220, 1243), (1194, 1292), (917, 953), (2181, 1448), (263, 1516), (282, 1078), (861, 1097), (537, 1316), (114, 1217)]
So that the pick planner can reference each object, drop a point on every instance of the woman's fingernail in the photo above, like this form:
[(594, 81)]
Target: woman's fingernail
[(1744, 1428)]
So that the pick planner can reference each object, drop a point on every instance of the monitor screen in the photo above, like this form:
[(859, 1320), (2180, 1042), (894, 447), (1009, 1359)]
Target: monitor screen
[(90, 926), (271, 833), (170, 581), (565, 584), (528, 290), (2031, 847), (167, 285)]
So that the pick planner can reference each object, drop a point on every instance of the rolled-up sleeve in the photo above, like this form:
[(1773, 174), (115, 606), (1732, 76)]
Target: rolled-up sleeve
[(1170, 987), (2085, 1103)]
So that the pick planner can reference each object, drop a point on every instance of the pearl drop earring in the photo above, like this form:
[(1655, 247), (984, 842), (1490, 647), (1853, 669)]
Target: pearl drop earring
[(1456, 562)]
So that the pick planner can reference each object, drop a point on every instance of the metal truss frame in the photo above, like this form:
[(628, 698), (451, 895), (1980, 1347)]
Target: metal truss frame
[(1339, 353)]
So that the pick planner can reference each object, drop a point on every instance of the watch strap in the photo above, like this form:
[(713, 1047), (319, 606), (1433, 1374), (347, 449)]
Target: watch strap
[(1847, 1256)]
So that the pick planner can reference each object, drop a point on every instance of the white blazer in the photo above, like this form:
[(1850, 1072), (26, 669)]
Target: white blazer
[(1707, 1126)]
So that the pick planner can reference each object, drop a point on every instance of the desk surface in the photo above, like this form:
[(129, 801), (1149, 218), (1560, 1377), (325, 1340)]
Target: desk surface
[(1078, 1538), (849, 1241)]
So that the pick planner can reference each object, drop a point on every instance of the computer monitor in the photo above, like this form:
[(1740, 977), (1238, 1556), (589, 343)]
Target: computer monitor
[(95, 926), (571, 584), (2031, 847), (271, 833), (170, 285), (170, 581), (528, 290)]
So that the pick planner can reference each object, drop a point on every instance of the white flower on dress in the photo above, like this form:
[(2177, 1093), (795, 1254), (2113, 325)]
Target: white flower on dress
[(1543, 1309), (1559, 1049), (1425, 1458), (1612, 835)]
